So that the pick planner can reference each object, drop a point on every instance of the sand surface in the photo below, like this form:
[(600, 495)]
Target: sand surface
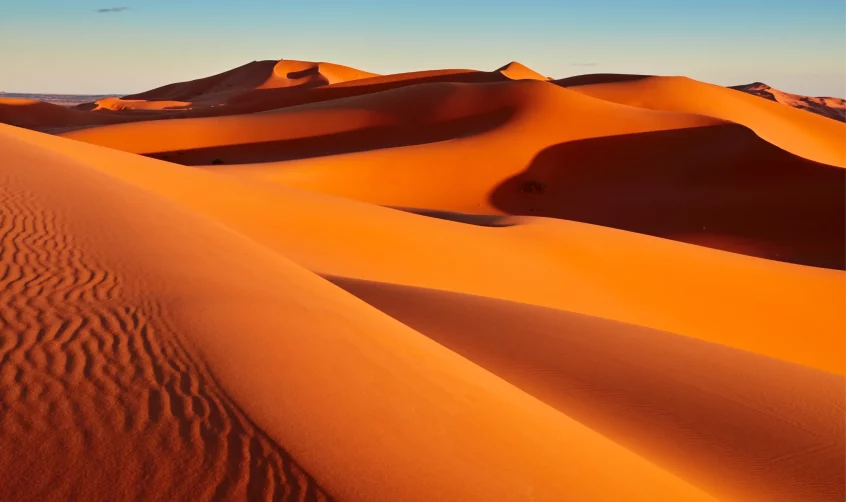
[(833, 108), (302, 281)]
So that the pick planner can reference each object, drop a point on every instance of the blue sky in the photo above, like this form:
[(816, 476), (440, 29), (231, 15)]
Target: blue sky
[(65, 46)]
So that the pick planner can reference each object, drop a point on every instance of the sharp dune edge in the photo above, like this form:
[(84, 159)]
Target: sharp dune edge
[(302, 281)]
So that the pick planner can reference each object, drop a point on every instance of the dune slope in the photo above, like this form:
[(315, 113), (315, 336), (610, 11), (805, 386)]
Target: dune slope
[(315, 367), (757, 305), (37, 115), (252, 76), (96, 380), (805, 134), (744, 427), (518, 71)]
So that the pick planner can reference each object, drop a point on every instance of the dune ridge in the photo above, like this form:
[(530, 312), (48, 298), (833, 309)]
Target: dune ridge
[(805, 134), (34, 114), (833, 108), (256, 75), (519, 71)]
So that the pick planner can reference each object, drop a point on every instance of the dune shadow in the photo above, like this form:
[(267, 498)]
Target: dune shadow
[(597, 78), (360, 140), (654, 392), (717, 186), (479, 220)]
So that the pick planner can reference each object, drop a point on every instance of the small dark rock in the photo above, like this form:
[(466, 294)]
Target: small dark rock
[(532, 186)]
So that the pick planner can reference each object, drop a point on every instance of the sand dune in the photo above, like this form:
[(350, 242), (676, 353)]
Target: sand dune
[(232, 85), (204, 98), (757, 429), (252, 76), (804, 134), (301, 281), (672, 175), (757, 305), (518, 71), (311, 379), (122, 104), (34, 114), (833, 108), (93, 369)]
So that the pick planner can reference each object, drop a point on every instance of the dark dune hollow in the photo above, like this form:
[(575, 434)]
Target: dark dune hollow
[(719, 186), (360, 140)]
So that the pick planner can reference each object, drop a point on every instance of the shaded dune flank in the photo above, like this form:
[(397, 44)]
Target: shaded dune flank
[(717, 186), (754, 427), (33, 114), (804, 134), (597, 78), (251, 89), (430, 113), (302, 281), (518, 71), (250, 77)]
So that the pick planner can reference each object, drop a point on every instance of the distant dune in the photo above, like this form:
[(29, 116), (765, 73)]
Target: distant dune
[(219, 88), (833, 108), (45, 116), (517, 71), (58, 99), (805, 134), (302, 281)]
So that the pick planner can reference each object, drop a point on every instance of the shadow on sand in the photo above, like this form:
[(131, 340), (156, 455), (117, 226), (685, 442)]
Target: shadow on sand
[(719, 186)]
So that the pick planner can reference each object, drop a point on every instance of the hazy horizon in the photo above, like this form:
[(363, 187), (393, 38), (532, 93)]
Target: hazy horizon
[(49, 47)]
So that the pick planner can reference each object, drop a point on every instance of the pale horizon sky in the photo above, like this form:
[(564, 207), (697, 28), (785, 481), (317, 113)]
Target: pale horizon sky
[(60, 46)]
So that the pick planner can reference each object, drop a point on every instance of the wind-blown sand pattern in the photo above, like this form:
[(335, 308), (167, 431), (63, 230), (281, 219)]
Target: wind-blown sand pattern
[(302, 281), (91, 370)]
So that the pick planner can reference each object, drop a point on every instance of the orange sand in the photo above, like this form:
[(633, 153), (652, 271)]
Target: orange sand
[(447, 285), (33, 114), (833, 108), (805, 134), (518, 71), (409, 147)]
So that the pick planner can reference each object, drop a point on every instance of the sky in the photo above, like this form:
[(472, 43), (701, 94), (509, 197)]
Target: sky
[(127, 46)]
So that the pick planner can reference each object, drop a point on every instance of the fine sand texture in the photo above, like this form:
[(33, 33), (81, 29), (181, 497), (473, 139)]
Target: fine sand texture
[(302, 281)]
